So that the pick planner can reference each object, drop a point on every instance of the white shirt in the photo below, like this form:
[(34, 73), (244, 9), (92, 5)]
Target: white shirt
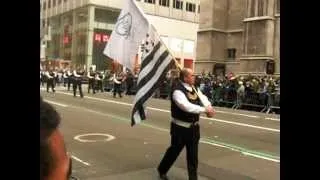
[(48, 74), (97, 77), (115, 79), (183, 103), (89, 75), (75, 73)]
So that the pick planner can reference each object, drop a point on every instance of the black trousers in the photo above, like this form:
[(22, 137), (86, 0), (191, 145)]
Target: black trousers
[(77, 83), (50, 83), (42, 81), (68, 81), (180, 137), (129, 87), (99, 85), (65, 82), (91, 85), (116, 89)]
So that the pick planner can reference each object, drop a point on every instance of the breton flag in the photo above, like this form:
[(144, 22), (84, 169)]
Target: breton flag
[(130, 29), (155, 64)]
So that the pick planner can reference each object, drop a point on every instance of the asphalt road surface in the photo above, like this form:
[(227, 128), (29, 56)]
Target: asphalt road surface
[(234, 145)]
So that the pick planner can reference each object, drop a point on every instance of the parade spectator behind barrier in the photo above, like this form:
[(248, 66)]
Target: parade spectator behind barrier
[(207, 89), (240, 93), (197, 81), (129, 83), (218, 94), (54, 161)]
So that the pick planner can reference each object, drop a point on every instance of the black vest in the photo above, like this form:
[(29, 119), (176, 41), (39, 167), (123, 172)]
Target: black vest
[(119, 78), (81, 73), (71, 74), (178, 113), (92, 73)]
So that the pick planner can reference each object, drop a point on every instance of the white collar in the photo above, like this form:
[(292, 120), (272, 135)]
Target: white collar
[(187, 86)]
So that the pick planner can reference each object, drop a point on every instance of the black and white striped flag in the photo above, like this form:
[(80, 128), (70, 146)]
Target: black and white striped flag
[(154, 67)]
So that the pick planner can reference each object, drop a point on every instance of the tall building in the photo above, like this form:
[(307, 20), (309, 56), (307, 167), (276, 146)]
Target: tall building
[(78, 30), (239, 36)]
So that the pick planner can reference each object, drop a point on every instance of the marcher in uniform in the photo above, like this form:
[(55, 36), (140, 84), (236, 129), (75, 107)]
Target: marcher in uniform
[(186, 107), (77, 82), (91, 84)]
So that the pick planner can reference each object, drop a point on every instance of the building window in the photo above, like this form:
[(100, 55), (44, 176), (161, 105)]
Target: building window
[(177, 4), (43, 23), (150, 1), (49, 4), (252, 4), (44, 5), (257, 8), (278, 6), (164, 3), (198, 8), (59, 1), (54, 3), (262, 5), (190, 7), (231, 53)]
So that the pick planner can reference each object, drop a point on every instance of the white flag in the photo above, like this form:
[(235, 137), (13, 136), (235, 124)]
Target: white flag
[(130, 29)]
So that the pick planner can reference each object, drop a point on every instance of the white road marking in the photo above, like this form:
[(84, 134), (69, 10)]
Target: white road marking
[(162, 110), (201, 140), (81, 137), (261, 157), (128, 104), (239, 114), (99, 99), (241, 124), (156, 109), (166, 130), (272, 119), (79, 160), (55, 103)]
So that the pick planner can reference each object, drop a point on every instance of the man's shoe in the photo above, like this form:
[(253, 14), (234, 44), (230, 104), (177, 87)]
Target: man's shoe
[(163, 177)]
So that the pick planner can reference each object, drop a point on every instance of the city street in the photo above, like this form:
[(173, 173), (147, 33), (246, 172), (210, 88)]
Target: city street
[(234, 144)]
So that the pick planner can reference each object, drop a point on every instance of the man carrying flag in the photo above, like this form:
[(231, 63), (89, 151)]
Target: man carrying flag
[(185, 131), (131, 28)]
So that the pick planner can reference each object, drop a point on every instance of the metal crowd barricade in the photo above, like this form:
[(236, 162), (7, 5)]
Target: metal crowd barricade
[(224, 97), (252, 99), (273, 102)]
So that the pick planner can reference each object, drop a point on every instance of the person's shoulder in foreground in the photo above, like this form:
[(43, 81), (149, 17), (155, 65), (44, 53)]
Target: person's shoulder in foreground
[(54, 161)]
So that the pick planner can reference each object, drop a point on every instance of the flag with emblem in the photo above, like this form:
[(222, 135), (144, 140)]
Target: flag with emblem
[(155, 64), (129, 31)]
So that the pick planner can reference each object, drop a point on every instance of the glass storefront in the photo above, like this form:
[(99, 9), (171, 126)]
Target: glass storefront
[(81, 35), (66, 37), (101, 36), (100, 39)]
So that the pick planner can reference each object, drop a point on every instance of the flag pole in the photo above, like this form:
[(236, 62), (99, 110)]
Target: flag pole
[(175, 60)]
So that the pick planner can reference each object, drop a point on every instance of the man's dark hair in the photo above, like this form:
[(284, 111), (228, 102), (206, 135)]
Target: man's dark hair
[(49, 121)]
